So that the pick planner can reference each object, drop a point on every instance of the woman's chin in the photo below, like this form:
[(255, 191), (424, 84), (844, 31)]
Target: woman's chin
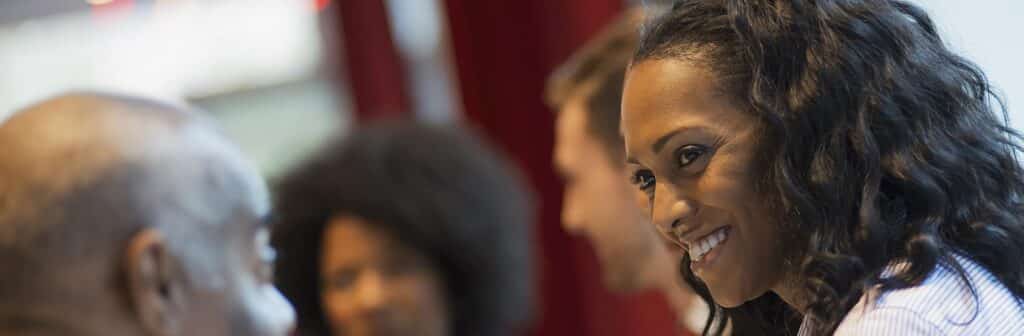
[(728, 300)]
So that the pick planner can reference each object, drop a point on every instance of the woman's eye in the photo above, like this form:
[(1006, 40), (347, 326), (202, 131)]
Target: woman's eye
[(643, 179), (690, 153), (343, 280)]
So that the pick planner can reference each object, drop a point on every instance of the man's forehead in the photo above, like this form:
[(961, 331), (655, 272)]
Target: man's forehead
[(569, 130)]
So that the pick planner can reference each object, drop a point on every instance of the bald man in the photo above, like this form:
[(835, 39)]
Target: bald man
[(121, 216)]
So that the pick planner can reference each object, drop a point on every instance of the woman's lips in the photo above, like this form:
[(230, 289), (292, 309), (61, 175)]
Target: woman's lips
[(705, 244), (710, 247)]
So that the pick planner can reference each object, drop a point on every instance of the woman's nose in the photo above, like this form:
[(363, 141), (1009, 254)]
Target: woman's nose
[(671, 213)]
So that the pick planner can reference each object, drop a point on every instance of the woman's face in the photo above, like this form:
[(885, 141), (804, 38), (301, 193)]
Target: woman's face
[(692, 151), (372, 284)]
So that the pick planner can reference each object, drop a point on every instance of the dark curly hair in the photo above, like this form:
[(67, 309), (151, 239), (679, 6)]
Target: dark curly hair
[(879, 144), (437, 189)]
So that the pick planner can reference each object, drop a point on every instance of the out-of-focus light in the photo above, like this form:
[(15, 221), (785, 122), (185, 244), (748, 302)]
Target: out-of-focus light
[(105, 11), (199, 48), (321, 4)]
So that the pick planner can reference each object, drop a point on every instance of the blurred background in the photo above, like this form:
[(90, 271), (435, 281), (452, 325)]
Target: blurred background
[(281, 75)]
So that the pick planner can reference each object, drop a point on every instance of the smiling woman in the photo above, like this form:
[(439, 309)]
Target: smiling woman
[(693, 153), (835, 153)]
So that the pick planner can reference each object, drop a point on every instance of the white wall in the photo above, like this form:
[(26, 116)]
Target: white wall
[(279, 126), (171, 51), (990, 33)]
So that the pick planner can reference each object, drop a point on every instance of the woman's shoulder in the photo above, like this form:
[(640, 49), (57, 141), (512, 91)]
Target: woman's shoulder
[(941, 305)]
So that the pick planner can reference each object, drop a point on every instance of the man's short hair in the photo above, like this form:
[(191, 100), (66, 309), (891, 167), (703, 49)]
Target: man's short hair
[(599, 65)]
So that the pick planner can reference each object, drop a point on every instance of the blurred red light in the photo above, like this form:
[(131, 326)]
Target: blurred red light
[(321, 4), (112, 8)]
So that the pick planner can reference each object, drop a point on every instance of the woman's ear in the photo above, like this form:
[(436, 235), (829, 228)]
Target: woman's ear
[(155, 284)]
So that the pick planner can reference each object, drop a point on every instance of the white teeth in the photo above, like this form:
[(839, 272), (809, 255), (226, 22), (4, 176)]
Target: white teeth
[(714, 239), (699, 248)]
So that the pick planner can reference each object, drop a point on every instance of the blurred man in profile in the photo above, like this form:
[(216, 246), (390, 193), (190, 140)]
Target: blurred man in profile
[(120, 216), (599, 202)]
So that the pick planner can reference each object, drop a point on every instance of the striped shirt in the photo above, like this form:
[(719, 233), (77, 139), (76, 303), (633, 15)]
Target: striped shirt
[(941, 305)]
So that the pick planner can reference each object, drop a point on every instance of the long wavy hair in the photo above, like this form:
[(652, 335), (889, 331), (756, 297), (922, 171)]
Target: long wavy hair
[(879, 144)]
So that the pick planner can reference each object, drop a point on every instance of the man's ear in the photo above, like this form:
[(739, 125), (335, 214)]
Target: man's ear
[(155, 284)]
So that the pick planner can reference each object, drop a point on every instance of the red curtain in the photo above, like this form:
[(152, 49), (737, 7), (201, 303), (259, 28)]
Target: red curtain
[(503, 51), (369, 61)]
